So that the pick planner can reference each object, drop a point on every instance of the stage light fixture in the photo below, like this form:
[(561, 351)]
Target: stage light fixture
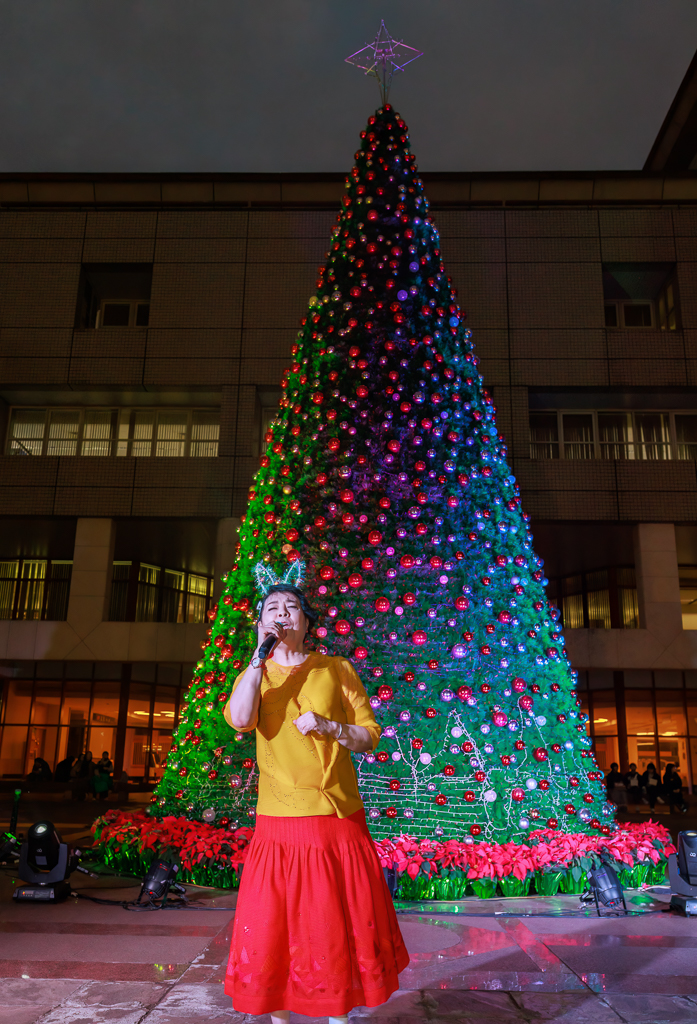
[(606, 889), (682, 872), (44, 864), (159, 880)]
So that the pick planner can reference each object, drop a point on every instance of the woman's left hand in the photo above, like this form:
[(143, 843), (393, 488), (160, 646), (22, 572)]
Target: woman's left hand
[(311, 722)]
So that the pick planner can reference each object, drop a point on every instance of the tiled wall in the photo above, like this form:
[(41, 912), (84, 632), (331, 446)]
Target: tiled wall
[(229, 289)]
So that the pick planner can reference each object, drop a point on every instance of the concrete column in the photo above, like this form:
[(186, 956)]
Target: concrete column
[(225, 546), (658, 585), (90, 586)]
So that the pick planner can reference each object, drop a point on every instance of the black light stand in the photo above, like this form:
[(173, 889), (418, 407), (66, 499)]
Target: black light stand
[(606, 889), (160, 878)]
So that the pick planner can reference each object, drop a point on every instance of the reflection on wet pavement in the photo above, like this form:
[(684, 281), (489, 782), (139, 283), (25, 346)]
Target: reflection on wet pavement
[(503, 960)]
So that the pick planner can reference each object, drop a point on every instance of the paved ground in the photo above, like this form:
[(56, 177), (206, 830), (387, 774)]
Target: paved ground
[(508, 961)]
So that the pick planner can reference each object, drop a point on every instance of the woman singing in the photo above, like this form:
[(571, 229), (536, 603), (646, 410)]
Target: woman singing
[(315, 931)]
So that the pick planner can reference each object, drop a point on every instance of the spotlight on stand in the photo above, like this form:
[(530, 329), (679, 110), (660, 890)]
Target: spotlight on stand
[(159, 880), (605, 888), (44, 863), (682, 872)]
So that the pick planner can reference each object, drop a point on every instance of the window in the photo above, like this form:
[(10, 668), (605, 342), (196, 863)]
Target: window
[(34, 589), (114, 295), (644, 436), (150, 593), (76, 708), (123, 314), (688, 595), (108, 432), (544, 435), (578, 436), (603, 599), (640, 296)]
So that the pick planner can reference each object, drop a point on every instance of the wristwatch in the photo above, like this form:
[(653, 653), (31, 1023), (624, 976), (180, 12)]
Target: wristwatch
[(256, 662)]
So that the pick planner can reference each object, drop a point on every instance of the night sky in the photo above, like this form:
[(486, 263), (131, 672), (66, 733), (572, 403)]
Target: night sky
[(261, 85)]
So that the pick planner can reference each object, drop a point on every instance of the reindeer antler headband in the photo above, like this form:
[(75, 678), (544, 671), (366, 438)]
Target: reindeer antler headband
[(266, 578)]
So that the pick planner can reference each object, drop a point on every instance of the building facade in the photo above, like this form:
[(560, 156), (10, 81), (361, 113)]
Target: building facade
[(145, 322)]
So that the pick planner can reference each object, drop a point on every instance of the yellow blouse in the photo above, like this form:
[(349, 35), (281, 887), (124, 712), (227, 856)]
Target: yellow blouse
[(305, 775)]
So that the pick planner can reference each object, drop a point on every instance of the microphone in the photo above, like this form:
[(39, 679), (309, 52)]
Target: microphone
[(268, 645)]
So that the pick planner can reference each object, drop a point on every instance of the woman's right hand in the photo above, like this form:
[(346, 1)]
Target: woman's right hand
[(272, 629)]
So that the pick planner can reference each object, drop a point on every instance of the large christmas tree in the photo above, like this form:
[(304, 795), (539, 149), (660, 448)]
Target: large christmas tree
[(386, 473)]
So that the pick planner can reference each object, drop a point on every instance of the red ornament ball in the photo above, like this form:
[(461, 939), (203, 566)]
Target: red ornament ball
[(540, 754), (179, 794), (385, 692), (395, 785), (468, 796), (342, 627), (467, 747), (475, 830), (431, 712), (525, 702), (417, 744), (449, 770), (248, 763), (569, 808), (544, 785), (374, 537), (573, 781), (406, 561), (441, 799), (213, 775), (464, 692), (391, 812), (382, 605), (419, 637), (552, 823), (360, 654), (499, 718), (326, 572), (519, 684), (519, 745), (409, 599), (485, 688), (480, 776), (355, 580), (518, 794), (462, 604), (588, 798)]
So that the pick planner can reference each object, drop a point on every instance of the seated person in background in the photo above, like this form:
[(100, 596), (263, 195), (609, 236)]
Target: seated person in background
[(672, 788), (40, 772), (121, 787), (651, 781), (632, 781), (101, 781), (615, 787), (105, 762), (81, 775), (62, 772)]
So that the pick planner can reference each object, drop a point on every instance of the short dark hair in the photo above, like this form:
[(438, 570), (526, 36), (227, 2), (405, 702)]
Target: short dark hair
[(285, 588)]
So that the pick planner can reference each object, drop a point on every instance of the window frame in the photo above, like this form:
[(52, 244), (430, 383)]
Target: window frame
[(133, 305), (672, 445), (122, 435)]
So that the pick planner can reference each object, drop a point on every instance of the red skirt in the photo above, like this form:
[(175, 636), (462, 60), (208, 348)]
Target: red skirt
[(315, 930)]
